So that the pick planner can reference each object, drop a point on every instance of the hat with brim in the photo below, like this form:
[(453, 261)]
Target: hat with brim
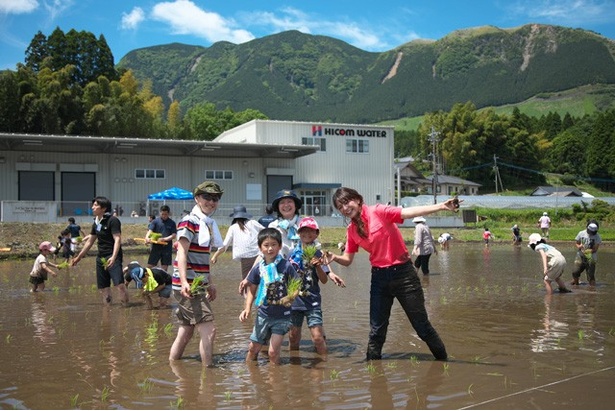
[(46, 245), (534, 239), (419, 219), (285, 194), (208, 187), (308, 222), (240, 212)]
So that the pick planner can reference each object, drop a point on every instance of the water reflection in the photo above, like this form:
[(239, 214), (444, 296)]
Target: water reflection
[(503, 334), (553, 330)]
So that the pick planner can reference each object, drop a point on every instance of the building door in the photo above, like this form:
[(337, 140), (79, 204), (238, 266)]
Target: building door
[(78, 190), (314, 203), (36, 186)]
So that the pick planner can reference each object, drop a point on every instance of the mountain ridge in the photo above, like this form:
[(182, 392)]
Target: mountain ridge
[(297, 76)]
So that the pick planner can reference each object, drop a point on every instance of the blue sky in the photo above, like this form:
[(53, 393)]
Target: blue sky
[(366, 24)]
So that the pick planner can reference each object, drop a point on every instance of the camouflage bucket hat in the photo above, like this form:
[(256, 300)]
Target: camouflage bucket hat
[(208, 187)]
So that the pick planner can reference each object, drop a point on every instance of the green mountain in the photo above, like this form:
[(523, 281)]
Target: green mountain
[(296, 76)]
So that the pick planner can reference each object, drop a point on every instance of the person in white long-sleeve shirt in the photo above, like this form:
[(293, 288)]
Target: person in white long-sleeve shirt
[(242, 236)]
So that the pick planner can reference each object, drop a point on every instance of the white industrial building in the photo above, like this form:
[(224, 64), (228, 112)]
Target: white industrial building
[(50, 177)]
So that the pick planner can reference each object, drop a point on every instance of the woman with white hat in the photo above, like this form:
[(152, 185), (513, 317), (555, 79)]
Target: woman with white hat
[(423, 245)]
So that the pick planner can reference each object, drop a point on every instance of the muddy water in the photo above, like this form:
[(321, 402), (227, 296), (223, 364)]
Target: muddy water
[(510, 346)]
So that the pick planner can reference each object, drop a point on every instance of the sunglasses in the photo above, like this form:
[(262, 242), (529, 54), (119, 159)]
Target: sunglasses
[(210, 197)]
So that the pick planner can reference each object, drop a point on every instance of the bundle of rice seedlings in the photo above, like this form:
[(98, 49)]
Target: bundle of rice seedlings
[(588, 255), (308, 253), (198, 286), (62, 265), (104, 262), (79, 239), (155, 236), (293, 286)]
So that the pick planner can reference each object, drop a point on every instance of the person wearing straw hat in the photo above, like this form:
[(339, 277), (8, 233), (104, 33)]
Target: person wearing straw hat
[(242, 236)]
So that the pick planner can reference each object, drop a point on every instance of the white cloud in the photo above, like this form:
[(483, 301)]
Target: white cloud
[(18, 6), (132, 20), (57, 7), (567, 12), (293, 19), (185, 18)]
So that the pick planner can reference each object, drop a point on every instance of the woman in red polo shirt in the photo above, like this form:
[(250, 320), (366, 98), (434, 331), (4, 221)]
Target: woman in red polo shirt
[(374, 228)]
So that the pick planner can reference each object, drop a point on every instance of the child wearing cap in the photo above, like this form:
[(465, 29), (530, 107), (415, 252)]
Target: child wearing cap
[(40, 270), (242, 236), (151, 280), (306, 257), (553, 263)]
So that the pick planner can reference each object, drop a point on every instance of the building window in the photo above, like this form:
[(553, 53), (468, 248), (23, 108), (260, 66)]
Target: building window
[(357, 146), (150, 173), (218, 174), (315, 141)]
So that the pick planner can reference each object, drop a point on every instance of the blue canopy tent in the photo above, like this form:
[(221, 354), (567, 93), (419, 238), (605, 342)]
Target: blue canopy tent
[(170, 194), (173, 193)]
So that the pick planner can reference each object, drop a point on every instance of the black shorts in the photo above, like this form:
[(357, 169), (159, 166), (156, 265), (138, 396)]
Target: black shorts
[(163, 254)]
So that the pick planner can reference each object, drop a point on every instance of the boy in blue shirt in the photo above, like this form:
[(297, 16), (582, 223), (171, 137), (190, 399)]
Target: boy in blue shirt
[(267, 289), (308, 304)]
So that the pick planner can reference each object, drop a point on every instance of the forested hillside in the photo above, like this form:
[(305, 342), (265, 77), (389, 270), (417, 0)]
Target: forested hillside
[(295, 76)]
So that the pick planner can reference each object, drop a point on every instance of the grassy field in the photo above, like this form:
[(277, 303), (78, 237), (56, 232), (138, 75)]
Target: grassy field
[(577, 102)]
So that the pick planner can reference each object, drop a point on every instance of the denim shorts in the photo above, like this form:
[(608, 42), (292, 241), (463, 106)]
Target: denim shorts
[(313, 317), (264, 327), (166, 291)]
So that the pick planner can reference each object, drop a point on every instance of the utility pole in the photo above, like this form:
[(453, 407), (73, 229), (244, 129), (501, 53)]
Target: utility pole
[(496, 172), (433, 137)]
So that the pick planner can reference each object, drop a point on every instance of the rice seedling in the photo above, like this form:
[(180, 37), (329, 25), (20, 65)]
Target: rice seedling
[(198, 286), (391, 364), (581, 335), (293, 286), (63, 265), (146, 385), (104, 262), (612, 332), (470, 392), (370, 368), (55, 289), (8, 338), (104, 395), (309, 252), (334, 375), (228, 395), (414, 360), (73, 401), (168, 329), (178, 404), (445, 367)]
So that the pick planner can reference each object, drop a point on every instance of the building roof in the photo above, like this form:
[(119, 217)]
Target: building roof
[(563, 191), (444, 179), (152, 146)]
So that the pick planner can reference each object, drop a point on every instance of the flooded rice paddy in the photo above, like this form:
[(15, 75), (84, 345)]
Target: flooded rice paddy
[(510, 346)]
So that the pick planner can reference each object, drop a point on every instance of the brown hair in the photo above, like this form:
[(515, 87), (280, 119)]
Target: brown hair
[(342, 196)]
